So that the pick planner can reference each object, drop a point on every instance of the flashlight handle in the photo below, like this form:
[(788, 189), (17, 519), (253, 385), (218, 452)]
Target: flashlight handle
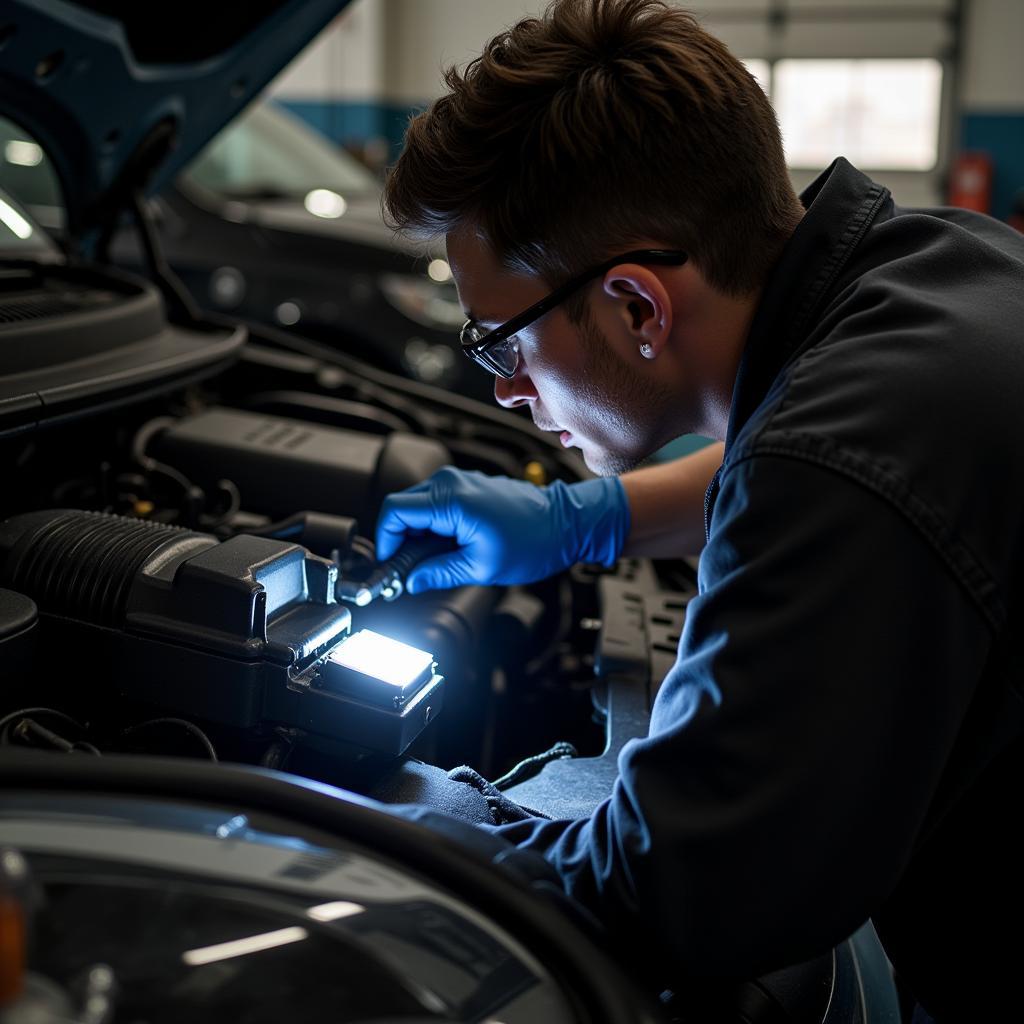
[(388, 579), (416, 549), (395, 570)]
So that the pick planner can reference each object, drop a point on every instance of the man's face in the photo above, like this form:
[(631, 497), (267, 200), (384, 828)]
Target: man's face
[(573, 378)]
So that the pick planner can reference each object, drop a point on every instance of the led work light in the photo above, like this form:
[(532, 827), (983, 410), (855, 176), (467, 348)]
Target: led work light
[(377, 669)]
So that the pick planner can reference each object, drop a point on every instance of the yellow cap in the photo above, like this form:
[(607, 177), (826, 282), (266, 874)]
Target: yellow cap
[(535, 474)]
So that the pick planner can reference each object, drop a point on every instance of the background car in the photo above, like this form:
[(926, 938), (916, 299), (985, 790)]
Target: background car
[(274, 224)]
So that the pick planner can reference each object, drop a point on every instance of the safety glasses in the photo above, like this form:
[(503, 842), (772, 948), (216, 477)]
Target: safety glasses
[(498, 350)]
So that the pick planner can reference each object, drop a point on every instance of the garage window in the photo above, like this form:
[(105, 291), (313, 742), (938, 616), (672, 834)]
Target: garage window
[(762, 71), (882, 114)]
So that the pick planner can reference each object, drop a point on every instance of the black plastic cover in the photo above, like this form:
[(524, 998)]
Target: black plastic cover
[(234, 633), (75, 341), (18, 614), (281, 464), (240, 598), (18, 620)]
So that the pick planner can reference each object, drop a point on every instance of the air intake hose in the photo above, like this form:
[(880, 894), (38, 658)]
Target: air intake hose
[(82, 565)]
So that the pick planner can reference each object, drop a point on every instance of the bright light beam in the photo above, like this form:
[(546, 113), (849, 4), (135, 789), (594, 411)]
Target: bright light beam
[(241, 947), (14, 220), (382, 658)]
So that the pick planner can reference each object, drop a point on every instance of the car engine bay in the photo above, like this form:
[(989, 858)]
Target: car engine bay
[(196, 540)]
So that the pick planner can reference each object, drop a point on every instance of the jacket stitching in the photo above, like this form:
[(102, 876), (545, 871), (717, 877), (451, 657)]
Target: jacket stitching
[(844, 247)]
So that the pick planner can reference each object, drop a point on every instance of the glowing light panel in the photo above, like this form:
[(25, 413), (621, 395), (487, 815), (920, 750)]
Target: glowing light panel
[(390, 661)]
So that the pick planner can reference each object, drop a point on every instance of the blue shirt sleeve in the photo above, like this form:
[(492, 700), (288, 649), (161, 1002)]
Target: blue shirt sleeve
[(796, 744)]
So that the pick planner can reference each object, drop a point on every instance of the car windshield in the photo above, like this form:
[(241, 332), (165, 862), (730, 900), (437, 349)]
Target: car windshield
[(25, 173), (267, 153)]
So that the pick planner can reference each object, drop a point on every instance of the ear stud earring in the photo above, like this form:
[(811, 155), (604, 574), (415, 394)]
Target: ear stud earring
[(646, 351)]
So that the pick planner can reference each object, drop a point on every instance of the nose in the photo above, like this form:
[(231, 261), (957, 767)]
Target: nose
[(515, 392)]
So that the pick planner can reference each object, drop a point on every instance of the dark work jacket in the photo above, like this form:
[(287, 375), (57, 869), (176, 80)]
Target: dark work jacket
[(840, 737)]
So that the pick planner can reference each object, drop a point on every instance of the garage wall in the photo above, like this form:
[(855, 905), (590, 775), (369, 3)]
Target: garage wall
[(337, 83), (992, 118), (426, 36), (382, 60)]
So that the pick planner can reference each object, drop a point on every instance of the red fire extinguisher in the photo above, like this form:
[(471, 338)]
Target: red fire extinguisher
[(970, 182)]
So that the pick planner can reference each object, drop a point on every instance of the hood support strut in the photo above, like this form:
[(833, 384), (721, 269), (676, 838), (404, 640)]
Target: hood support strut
[(128, 194)]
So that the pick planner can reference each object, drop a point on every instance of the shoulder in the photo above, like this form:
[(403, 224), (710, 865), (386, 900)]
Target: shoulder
[(909, 385), (921, 332)]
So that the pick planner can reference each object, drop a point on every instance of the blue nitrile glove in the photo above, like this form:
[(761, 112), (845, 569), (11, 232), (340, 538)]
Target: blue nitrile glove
[(507, 531)]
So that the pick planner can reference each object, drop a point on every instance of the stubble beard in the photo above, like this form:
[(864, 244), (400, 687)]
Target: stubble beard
[(634, 409)]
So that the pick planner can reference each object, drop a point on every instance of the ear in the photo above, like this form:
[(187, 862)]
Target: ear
[(642, 306)]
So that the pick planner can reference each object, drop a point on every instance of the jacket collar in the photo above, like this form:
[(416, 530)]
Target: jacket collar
[(841, 204)]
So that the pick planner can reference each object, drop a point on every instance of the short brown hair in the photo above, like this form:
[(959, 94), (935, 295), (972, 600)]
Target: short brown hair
[(599, 124)]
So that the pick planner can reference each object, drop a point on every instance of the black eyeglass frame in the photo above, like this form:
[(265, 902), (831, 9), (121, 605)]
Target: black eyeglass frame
[(480, 350)]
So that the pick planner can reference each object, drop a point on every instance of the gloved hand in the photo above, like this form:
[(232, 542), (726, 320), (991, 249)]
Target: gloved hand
[(507, 531)]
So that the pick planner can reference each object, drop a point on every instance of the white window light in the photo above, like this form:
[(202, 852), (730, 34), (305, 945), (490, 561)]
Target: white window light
[(23, 153), (761, 70), (879, 114)]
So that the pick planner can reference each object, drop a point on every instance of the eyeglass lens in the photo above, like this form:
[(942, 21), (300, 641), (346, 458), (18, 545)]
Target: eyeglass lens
[(505, 355)]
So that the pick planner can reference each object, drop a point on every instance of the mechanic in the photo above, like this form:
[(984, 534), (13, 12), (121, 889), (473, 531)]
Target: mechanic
[(840, 737)]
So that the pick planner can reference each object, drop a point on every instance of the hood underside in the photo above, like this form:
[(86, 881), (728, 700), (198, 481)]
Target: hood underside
[(122, 94)]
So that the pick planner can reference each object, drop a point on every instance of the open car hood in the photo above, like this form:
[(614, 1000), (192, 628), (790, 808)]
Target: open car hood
[(122, 94)]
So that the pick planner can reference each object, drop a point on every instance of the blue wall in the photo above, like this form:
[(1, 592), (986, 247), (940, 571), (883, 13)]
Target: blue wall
[(1002, 137), (353, 124)]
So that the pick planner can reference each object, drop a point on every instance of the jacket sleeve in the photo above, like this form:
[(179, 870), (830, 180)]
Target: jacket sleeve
[(795, 745)]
